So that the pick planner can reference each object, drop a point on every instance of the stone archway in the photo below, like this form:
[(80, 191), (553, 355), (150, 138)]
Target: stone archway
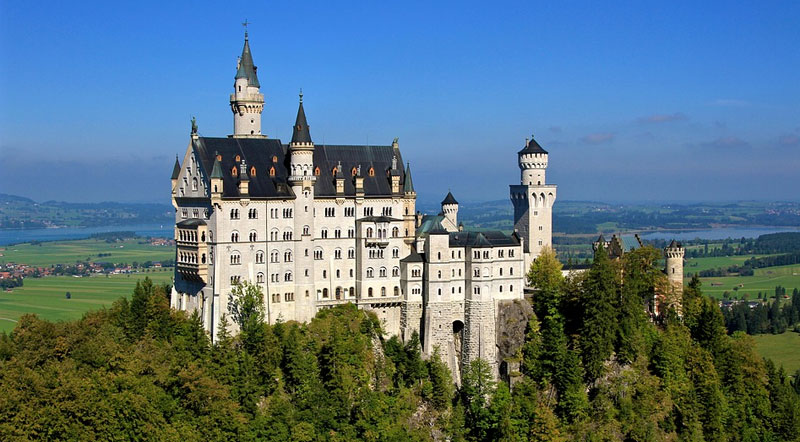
[(458, 340)]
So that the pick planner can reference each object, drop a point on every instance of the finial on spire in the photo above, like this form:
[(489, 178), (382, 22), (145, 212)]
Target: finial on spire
[(245, 23), (194, 125), (301, 95)]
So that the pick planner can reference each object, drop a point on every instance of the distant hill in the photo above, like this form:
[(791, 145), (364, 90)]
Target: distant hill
[(18, 212)]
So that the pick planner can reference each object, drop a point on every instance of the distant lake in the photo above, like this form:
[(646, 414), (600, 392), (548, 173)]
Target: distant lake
[(721, 233), (28, 235)]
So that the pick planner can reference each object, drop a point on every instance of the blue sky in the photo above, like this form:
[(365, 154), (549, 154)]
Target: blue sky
[(636, 101)]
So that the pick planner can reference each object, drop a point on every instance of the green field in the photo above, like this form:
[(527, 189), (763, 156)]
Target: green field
[(764, 280), (694, 265), (46, 296), (783, 349), (68, 252)]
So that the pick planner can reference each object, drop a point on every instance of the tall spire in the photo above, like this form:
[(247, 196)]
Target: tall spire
[(246, 68), (301, 133)]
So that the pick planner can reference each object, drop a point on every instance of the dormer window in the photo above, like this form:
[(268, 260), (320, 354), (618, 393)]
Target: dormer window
[(274, 158), (371, 171), (238, 158), (354, 172), (234, 172), (253, 171), (316, 171), (219, 157), (271, 171), (333, 171)]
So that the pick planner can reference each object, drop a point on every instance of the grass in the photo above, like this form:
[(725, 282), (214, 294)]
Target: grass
[(46, 298), (694, 265), (764, 280), (68, 252), (783, 349)]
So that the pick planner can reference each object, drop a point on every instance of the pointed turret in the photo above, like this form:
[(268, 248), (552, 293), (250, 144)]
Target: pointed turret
[(301, 133), (449, 199), (216, 178), (301, 149), (247, 69), (408, 184), (216, 171)]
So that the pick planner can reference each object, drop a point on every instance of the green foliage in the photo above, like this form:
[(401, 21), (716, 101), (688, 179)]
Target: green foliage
[(600, 326)]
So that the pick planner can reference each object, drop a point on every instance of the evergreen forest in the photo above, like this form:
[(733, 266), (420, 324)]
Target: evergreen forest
[(593, 366)]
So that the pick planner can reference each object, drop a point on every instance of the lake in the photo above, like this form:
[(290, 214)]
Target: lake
[(165, 231), (28, 235), (720, 233)]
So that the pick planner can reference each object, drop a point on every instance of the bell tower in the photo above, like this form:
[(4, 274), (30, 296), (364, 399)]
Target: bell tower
[(247, 102), (533, 201)]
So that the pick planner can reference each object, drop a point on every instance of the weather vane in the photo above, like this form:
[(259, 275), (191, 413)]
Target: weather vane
[(245, 23)]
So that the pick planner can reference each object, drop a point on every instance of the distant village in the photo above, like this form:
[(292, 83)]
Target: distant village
[(12, 274)]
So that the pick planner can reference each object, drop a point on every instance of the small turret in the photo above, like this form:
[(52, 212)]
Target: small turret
[(532, 163), (673, 254), (450, 210), (301, 150), (408, 184), (216, 178), (244, 179)]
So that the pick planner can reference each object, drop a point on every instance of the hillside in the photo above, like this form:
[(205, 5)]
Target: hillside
[(23, 213)]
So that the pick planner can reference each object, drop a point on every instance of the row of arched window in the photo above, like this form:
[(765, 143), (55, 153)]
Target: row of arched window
[(382, 272)]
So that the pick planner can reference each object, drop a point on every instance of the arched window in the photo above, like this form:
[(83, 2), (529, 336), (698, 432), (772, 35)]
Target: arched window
[(369, 232), (271, 171), (260, 278), (260, 257), (274, 159), (253, 236), (325, 293), (395, 252), (371, 171), (287, 276), (395, 271), (369, 292), (219, 157), (234, 172), (396, 291), (305, 230), (383, 291), (235, 237), (316, 171), (236, 258), (370, 272), (252, 170), (194, 183), (354, 171), (383, 272), (287, 256), (395, 232)]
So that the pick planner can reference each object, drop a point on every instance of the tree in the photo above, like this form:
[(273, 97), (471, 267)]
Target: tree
[(477, 387), (601, 302), (246, 307)]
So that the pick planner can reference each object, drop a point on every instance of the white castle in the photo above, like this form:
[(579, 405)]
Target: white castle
[(321, 225)]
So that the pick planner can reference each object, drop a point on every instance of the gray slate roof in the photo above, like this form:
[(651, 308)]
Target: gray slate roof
[(259, 152), (449, 199), (532, 147), (485, 238), (176, 170), (300, 132)]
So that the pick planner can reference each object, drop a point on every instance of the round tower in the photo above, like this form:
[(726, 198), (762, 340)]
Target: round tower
[(247, 102), (673, 254), (532, 164)]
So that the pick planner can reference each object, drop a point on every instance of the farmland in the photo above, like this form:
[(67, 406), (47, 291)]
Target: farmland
[(68, 252), (783, 349), (763, 280), (46, 296)]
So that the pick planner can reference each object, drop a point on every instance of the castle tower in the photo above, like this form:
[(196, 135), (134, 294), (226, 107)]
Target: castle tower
[(450, 212), (673, 254), (246, 100), (301, 178), (533, 201)]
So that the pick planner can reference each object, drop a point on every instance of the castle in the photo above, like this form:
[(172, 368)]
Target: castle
[(321, 225)]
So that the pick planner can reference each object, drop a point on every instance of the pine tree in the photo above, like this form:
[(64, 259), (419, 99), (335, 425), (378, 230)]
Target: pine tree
[(601, 302)]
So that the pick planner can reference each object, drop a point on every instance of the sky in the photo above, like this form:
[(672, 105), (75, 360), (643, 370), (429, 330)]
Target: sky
[(635, 101)]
